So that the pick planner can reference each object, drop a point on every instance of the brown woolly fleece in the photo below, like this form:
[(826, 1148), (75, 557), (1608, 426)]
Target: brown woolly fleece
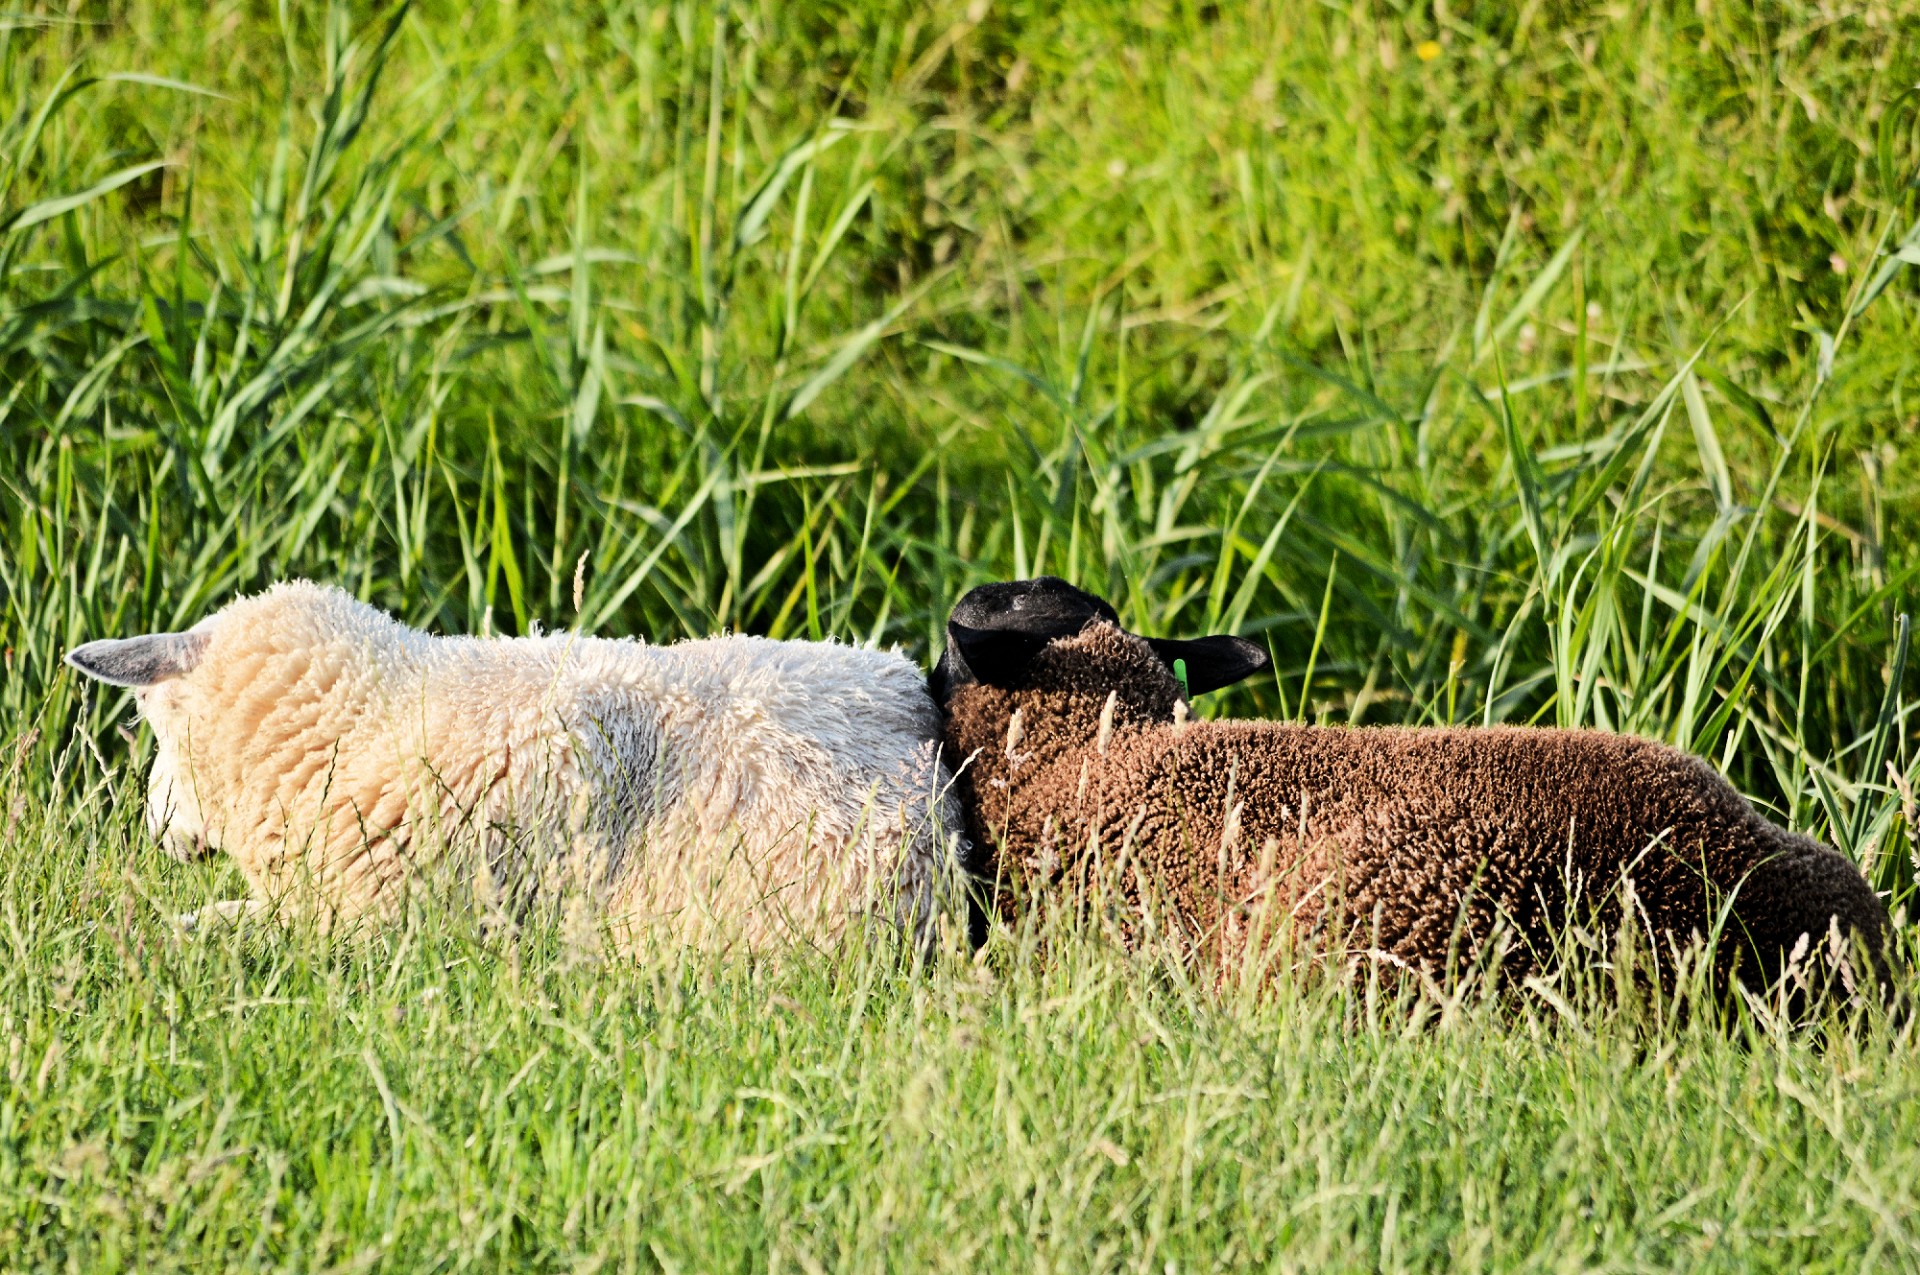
[(1409, 842)]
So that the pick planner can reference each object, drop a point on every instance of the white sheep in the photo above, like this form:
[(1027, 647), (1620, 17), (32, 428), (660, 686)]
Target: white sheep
[(731, 792)]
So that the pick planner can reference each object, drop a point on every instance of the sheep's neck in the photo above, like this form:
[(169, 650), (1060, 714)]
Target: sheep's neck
[(1010, 751)]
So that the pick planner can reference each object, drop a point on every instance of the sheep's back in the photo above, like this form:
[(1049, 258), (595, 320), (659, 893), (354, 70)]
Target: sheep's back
[(1414, 839)]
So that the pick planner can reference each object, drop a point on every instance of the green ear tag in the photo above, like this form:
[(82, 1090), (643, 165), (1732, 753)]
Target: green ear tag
[(1180, 676)]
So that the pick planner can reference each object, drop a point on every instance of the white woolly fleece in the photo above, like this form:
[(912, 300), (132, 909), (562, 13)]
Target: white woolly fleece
[(730, 791)]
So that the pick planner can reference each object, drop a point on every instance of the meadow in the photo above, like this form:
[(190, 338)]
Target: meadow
[(1552, 362)]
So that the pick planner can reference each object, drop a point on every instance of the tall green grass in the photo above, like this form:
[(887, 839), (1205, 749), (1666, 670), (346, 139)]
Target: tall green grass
[(430, 1099), (1563, 375)]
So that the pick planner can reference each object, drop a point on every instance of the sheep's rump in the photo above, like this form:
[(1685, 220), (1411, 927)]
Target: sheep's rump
[(1416, 843)]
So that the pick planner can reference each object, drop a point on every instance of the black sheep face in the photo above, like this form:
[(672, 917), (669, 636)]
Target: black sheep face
[(1039, 634)]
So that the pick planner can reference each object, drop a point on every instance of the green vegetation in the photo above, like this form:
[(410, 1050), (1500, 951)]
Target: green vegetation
[(1551, 362)]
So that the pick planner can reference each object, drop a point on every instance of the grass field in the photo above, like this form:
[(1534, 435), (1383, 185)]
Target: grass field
[(1556, 362)]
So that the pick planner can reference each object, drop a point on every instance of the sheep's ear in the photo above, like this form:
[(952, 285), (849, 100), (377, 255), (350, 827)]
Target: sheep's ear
[(1212, 662), (996, 657), (139, 661)]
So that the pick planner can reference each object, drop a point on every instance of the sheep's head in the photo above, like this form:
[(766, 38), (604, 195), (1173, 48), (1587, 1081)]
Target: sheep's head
[(1045, 642), (156, 667)]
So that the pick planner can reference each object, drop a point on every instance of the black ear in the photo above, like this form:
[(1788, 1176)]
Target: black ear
[(1212, 662), (996, 657), (139, 661)]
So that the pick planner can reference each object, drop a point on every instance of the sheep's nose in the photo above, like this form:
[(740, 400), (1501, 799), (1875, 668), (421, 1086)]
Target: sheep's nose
[(179, 842)]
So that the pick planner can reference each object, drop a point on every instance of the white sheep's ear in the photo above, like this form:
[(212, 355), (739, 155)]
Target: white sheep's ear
[(1211, 662), (139, 661)]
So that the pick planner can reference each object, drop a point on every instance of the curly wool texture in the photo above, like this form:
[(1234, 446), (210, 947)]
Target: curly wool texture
[(1409, 842), (727, 791)]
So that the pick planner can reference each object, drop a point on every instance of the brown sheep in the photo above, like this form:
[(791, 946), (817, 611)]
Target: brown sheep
[(1411, 843)]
